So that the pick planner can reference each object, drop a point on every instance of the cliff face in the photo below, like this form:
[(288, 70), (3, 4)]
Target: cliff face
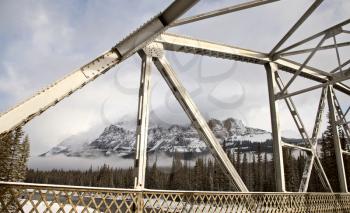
[(119, 138)]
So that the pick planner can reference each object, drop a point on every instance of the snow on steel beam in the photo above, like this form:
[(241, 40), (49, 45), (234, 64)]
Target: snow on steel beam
[(63, 88), (220, 12), (311, 9)]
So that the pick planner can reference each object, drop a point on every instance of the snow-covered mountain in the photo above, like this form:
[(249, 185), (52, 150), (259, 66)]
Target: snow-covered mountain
[(119, 139)]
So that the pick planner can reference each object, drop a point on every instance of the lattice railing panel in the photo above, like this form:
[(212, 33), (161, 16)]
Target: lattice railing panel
[(17, 197), (39, 198)]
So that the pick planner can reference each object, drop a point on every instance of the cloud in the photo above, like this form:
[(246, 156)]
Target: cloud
[(43, 40)]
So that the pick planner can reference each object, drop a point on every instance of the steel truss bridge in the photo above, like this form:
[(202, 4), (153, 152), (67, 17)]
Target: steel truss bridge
[(150, 41)]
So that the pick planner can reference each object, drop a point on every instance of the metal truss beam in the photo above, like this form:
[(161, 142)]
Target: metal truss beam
[(305, 178), (197, 120), (341, 66), (335, 80), (341, 121), (308, 142), (142, 122), (336, 140), (337, 52), (303, 51), (318, 120), (179, 43), (283, 91), (223, 11), (271, 70), (304, 184), (185, 44), (334, 30), (37, 104), (288, 145), (346, 112), (311, 9)]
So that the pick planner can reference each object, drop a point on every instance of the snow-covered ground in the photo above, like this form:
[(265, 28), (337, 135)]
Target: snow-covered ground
[(42, 208)]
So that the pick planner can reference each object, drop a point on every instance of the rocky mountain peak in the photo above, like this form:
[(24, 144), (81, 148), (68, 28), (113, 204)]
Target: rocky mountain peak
[(235, 126), (120, 138), (215, 124)]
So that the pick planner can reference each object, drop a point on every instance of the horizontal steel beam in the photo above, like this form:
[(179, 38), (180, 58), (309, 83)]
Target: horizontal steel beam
[(186, 44), (293, 146), (219, 12), (332, 82)]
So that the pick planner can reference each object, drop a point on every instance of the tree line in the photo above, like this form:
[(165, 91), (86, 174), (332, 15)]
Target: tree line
[(14, 153), (207, 175), (256, 168)]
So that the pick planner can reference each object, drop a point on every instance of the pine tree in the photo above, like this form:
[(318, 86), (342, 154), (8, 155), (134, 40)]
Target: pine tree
[(22, 166), (238, 159), (14, 153), (290, 172), (328, 157), (259, 181), (346, 158), (245, 170), (253, 174), (174, 181), (152, 177), (266, 186), (211, 175)]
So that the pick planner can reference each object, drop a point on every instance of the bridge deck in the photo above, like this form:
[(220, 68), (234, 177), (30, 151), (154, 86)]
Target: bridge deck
[(23, 197)]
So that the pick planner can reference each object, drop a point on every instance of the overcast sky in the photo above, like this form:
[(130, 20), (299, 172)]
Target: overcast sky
[(41, 41)]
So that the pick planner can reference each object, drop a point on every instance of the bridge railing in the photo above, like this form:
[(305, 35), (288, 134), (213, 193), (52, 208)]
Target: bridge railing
[(24, 197)]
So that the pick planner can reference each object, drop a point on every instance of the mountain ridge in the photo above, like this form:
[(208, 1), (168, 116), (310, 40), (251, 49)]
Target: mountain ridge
[(119, 139)]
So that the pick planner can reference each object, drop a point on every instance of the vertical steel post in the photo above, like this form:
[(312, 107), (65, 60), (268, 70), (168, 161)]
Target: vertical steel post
[(142, 122), (336, 140), (271, 69)]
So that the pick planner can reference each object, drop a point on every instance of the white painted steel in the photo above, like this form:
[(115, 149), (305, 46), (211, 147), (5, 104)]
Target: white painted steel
[(197, 120)]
